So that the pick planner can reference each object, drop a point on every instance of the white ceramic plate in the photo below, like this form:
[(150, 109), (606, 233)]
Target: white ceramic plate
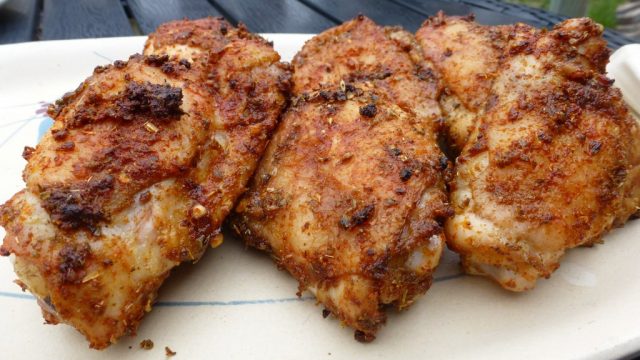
[(234, 304)]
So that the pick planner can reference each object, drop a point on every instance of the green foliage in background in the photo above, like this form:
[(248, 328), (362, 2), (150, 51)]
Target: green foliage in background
[(602, 11)]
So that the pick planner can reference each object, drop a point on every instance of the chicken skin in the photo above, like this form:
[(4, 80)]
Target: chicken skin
[(467, 56), (349, 197), (550, 157), (143, 163)]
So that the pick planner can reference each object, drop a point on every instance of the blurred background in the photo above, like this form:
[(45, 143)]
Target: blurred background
[(622, 15), (33, 20)]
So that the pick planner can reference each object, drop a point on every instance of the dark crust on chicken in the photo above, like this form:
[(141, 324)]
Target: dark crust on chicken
[(144, 161), (352, 184)]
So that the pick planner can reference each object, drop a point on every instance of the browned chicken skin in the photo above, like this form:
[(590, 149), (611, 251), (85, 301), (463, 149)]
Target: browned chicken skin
[(349, 197), (143, 163), (467, 56), (550, 157)]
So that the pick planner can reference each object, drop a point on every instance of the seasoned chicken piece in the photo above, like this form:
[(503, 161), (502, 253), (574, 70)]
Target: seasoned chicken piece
[(553, 157), (466, 55), (143, 163), (349, 197)]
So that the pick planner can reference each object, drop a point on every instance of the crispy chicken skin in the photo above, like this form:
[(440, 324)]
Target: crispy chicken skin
[(552, 158), (143, 163), (349, 197), (466, 55)]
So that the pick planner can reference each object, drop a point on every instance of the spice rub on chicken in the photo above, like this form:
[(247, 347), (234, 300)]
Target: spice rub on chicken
[(143, 163), (349, 197), (550, 157)]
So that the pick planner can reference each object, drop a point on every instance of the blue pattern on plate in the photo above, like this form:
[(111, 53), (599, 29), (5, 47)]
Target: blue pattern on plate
[(16, 295), (23, 123), (44, 126)]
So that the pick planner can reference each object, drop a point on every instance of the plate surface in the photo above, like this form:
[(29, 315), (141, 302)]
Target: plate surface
[(235, 304)]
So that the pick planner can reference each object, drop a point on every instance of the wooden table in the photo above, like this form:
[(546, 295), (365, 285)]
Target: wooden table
[(30, 20)]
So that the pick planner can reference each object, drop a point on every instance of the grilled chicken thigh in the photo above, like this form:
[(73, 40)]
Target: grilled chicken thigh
[(467, 56), (550, 157), (349, 197), (144, 161)]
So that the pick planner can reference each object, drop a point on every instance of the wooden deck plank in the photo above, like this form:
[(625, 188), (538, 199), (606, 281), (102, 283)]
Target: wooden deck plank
[(275, 16), (18, 21), (383, 12), (483, 16), (64, 19), (151, 13)]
